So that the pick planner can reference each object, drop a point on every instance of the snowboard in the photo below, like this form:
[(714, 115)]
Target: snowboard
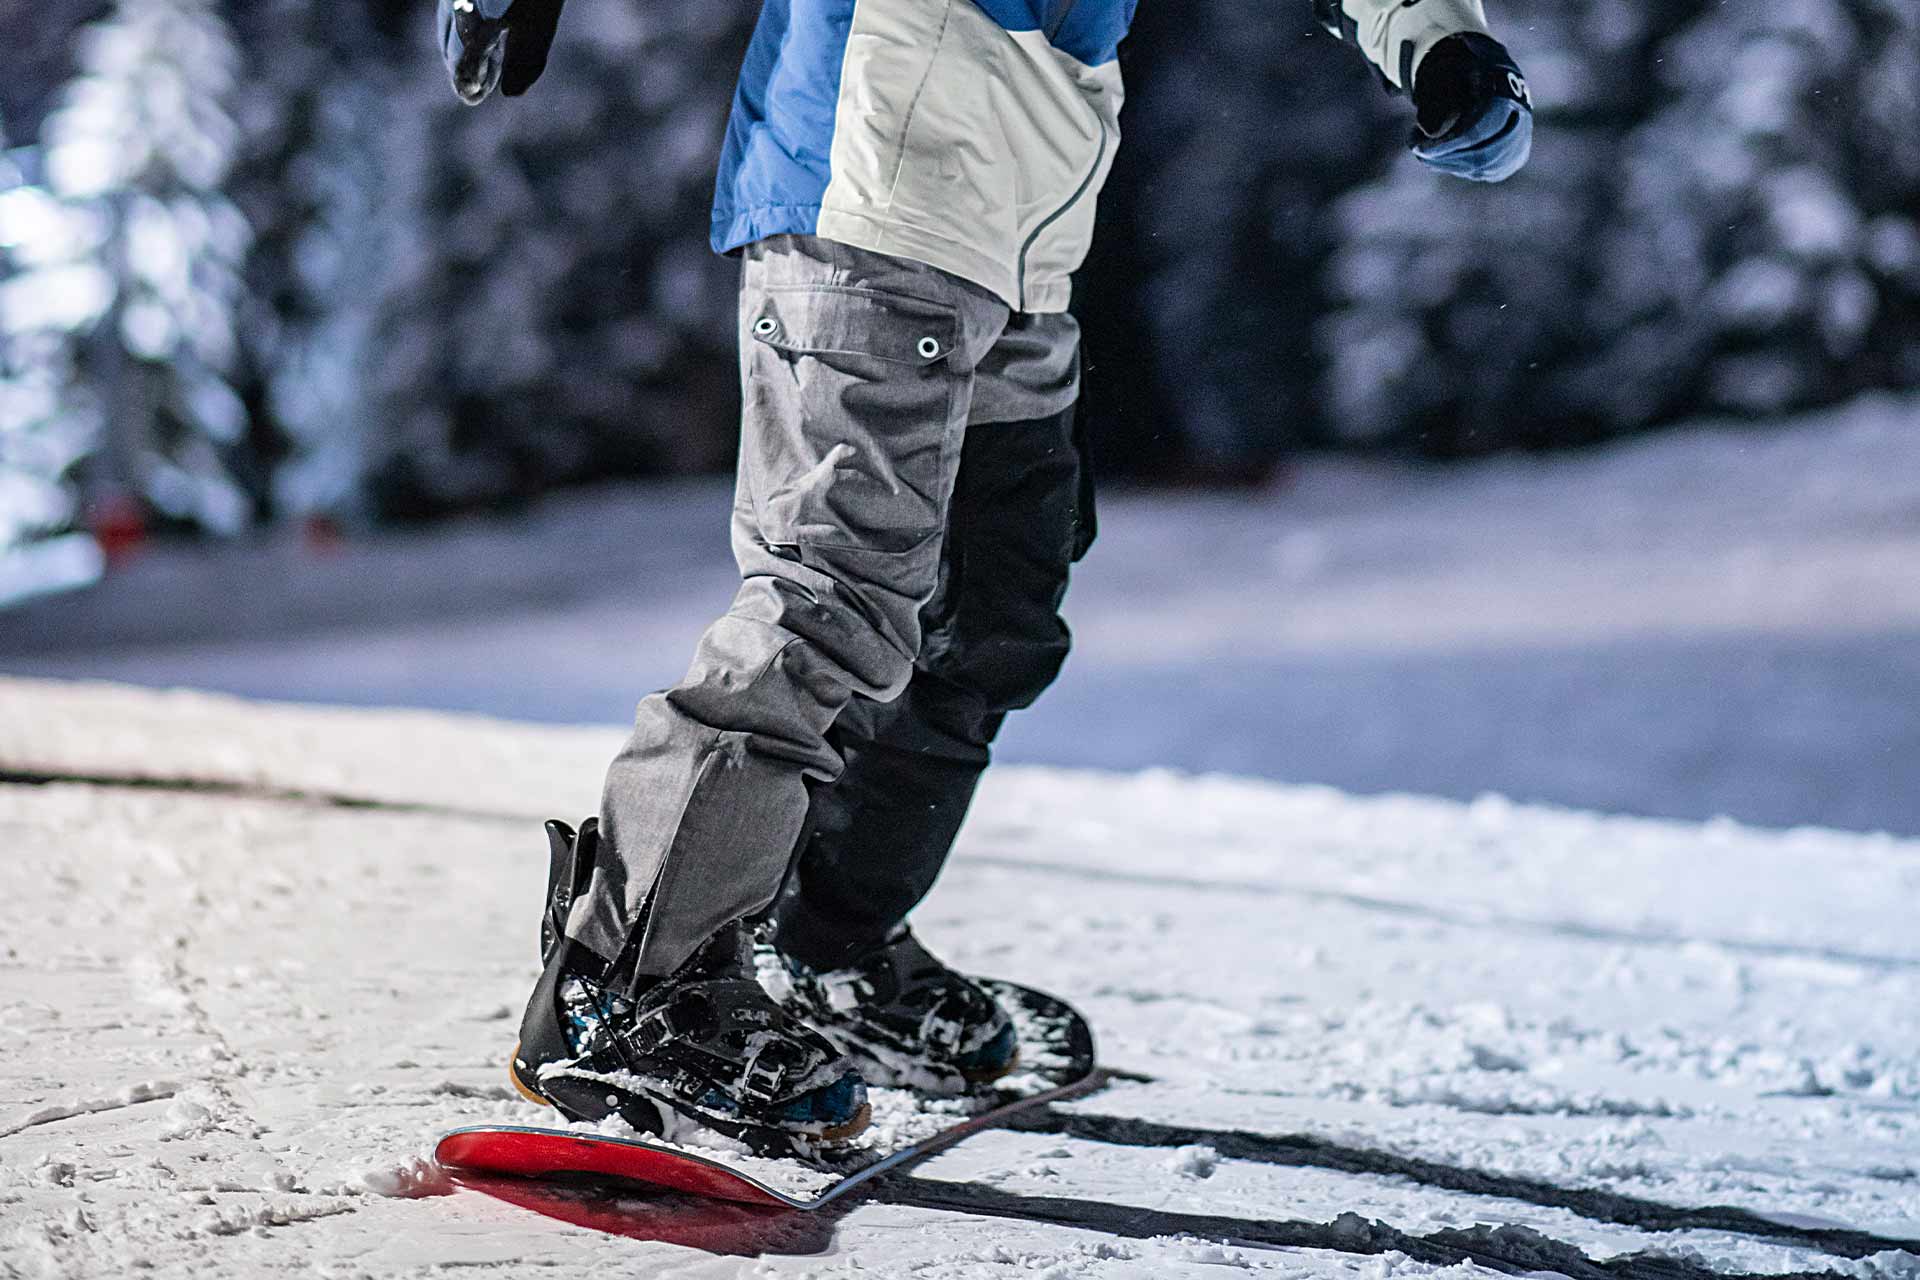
[(1056, 1062)]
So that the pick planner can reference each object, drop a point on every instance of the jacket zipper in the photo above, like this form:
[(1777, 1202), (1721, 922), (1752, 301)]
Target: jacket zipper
[(1098, 156)]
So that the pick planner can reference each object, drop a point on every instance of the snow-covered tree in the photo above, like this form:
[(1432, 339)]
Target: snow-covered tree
[(1719, 216), (1466, 317), (1767, 244), (43, 435), (1243, 124), (140, 145), (561, 315), (315, 178)]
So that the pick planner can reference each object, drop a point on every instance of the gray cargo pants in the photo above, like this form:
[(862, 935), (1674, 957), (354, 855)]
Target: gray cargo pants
[(860, 375)]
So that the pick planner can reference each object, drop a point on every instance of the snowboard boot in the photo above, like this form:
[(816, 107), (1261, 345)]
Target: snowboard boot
[(705, 1044), (907, 1019)]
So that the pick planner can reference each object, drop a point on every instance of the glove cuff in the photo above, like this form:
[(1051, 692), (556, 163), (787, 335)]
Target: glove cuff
[(1396, 37), (1410, 53), (1464, 74)]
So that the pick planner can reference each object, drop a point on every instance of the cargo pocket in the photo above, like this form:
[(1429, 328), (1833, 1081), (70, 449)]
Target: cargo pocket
[(851, 437)]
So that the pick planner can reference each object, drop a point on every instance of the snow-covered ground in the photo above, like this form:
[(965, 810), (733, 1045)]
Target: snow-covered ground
[(1722, 620), (254, 958)]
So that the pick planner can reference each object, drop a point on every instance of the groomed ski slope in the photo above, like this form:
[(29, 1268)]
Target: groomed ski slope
[(1720, 619), (1388, 1036)]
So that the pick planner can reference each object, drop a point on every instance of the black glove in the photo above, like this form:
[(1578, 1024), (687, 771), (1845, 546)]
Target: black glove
[(496, 42), (1474, 111)]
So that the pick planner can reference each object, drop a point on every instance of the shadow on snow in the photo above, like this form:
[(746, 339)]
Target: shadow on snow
[(736, 1230)]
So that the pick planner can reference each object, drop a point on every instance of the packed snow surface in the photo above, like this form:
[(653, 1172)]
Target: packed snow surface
[(1718, 620), (255, 958)]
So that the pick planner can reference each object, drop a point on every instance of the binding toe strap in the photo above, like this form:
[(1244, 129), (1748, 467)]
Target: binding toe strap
[(726, 1031)]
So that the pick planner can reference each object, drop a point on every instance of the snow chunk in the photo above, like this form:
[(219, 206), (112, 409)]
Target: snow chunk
[(1193, 1162), (412, 1179), (186, 1119), (1891, 1264)]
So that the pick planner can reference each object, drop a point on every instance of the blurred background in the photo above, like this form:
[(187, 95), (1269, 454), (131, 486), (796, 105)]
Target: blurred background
[(1600, 487)]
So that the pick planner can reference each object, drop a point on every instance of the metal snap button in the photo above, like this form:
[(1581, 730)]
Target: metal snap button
[(929, 348), (765, 327)]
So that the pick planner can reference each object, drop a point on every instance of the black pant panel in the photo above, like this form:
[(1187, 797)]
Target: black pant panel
[(994, 640)]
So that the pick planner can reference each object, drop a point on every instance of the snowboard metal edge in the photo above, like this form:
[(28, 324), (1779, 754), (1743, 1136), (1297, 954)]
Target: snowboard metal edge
[(947, 1137)]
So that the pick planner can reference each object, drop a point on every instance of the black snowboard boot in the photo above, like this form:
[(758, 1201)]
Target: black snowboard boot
[(907, 1019), (706, 1043)]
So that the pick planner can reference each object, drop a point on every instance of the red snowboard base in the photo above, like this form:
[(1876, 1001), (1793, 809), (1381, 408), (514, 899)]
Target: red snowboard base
[(1057, 1061), (548, 1153)]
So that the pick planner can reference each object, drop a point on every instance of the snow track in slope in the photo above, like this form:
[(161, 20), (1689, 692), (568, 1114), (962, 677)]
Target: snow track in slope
[(1386, 1037)]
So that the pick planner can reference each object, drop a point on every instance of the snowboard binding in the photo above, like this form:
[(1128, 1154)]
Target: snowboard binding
[(904, 1016), (705, 1044)]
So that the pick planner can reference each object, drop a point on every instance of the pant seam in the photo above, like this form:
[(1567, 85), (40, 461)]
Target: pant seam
[(663, 876)]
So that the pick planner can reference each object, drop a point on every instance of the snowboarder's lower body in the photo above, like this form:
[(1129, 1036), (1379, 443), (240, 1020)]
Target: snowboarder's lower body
[(911, 493)]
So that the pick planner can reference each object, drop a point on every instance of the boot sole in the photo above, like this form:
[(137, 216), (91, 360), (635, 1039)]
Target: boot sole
[(520, 1086), (855, 1125)]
